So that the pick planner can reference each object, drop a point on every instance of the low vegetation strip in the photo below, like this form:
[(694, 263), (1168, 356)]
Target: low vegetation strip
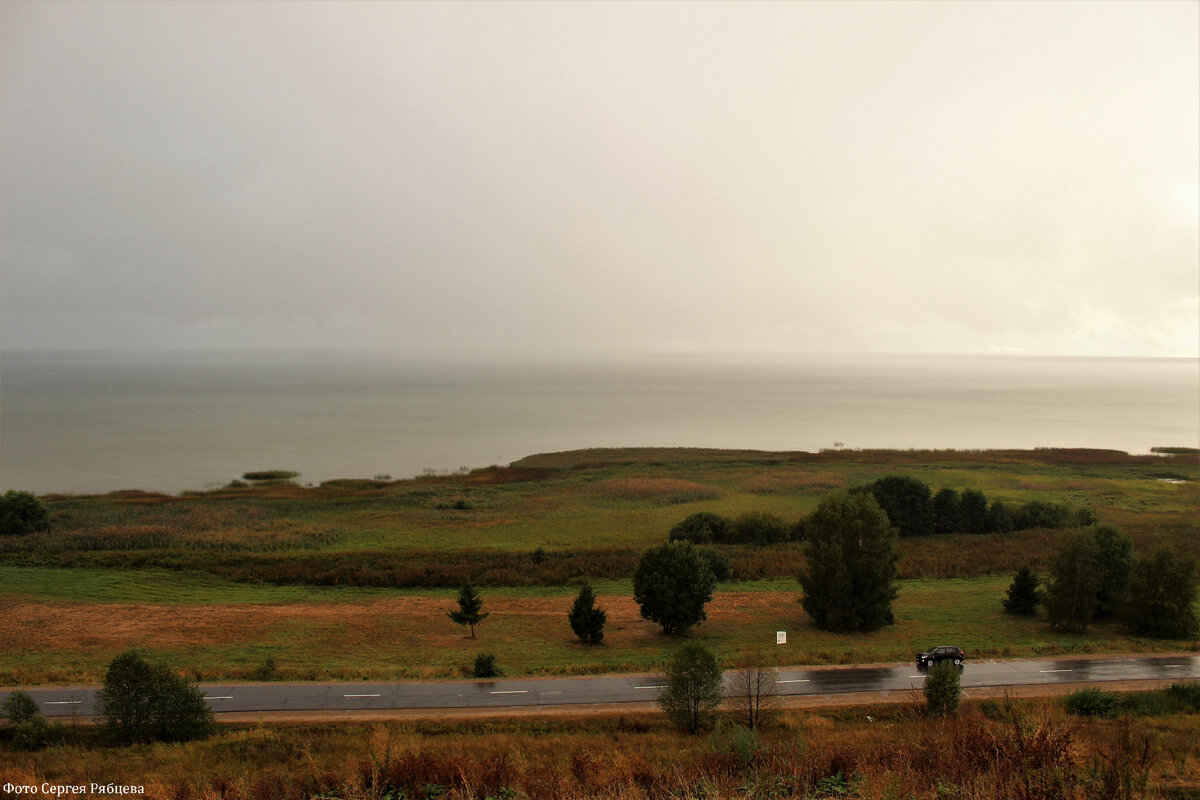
[(940, 557), (1026, 749)]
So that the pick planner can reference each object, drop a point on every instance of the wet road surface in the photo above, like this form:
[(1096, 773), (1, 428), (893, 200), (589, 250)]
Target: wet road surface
[(251, 697)]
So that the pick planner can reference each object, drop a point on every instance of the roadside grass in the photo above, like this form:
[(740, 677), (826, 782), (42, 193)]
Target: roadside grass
[(346, 633), (865, 751)]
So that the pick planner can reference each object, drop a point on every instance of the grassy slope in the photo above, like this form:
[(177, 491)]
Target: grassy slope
[(880, 751), (66, 623)]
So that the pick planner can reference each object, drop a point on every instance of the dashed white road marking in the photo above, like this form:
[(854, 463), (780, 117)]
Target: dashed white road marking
[(1056, 670), (360, 695), (650, 687), (512, 691), (795, 680), (213, 697), (63, 702)]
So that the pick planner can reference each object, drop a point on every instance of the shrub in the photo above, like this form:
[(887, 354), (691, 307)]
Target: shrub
[(757, 527), (703, 527), (143, 701), (266, 671), (485, 666), (1178, 698), (1040, 514), (271, 475), (942, 689), (22, 513), (907, 503), (737, 741), (19, 706), (1092, 702), (35, 733), (717, 561)]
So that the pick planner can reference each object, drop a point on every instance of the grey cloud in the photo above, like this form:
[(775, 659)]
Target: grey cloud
[(603, 177)]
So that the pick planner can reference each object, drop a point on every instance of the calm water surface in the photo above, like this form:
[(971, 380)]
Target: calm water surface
[(98, 422)]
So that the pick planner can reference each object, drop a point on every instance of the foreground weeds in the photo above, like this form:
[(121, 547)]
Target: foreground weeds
[(1033, 753)]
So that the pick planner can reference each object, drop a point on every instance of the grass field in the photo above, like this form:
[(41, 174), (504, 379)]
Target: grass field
[(351, 633), (316, 577)]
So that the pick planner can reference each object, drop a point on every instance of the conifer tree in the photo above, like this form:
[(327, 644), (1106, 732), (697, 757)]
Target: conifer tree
[(587, 621), (1023, 594), (469, 605)]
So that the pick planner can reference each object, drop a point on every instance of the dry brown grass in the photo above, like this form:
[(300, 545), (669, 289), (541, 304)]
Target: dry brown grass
[(660, 490), (829, 753), (792, 481)]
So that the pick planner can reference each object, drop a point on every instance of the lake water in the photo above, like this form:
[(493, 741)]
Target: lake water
[(102, 421)]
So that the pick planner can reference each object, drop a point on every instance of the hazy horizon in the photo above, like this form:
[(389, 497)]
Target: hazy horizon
[(176, 421), (602, 180)]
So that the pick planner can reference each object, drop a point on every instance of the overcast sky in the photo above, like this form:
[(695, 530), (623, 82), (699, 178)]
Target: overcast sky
[(613, 178)]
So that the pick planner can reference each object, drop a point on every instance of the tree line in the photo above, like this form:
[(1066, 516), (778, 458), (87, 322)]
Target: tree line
[(1095, 575), (911, 507)]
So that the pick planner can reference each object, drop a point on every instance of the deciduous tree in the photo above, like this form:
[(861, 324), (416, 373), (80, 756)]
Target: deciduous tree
[(1114, 563), (906, 502), (851, 577), (703, 527), (974, 511), (1071, 594), (672, 584), (1162, 596), (947, 512), (144, 701), (21, 513), (19, 706), (943, 689), (694, 688), (757, 527), (754, 688)]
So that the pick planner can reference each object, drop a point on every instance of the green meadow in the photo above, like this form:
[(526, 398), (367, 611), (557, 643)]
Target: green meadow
[(353, 579)]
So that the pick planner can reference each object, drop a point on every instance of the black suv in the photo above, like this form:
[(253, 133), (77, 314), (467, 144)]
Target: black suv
[(936, 655)]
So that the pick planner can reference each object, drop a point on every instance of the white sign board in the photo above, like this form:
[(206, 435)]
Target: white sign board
[(780, 637)]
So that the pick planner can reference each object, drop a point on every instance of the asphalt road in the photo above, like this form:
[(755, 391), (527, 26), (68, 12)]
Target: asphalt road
[(492, 694)]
